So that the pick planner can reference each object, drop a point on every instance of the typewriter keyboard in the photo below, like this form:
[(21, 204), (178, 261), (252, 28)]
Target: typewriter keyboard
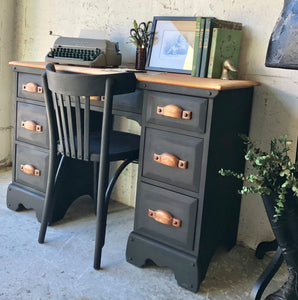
[(74, 53)]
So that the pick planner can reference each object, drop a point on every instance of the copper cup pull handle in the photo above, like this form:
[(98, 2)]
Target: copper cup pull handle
[(31, 125), (32, 87), (170, 160), (97, 98), (173, 111), (30, 170), (164, 217)]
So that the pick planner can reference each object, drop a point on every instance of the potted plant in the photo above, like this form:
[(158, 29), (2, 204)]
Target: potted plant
[(275, 179), (140, 37)]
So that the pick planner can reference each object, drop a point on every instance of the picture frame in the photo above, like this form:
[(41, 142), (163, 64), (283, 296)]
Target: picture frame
[(171, 45)]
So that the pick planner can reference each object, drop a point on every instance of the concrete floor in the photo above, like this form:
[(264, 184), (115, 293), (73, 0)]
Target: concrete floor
[(62, 267)]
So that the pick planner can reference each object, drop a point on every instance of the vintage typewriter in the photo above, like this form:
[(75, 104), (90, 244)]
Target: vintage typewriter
[(84, 52)]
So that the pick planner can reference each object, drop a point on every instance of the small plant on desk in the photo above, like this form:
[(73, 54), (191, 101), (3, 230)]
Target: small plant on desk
[(140, 37)]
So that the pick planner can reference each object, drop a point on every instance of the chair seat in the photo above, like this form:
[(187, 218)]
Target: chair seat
[(122, 145)]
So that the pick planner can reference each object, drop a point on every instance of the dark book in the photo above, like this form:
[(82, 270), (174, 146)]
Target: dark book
[(225, 45), (209, 25), (199, 35)]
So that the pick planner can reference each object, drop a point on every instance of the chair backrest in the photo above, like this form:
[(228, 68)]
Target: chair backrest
[(67, 97)]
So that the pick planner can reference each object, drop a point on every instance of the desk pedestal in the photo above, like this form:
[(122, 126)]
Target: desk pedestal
[(31, 147), (184, 209)]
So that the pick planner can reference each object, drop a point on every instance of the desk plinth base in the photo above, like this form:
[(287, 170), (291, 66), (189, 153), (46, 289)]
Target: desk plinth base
[(18, 198), (75, 180), (141, 249)]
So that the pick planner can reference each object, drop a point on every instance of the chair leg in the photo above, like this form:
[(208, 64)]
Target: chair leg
[(49, 203), (95, 183), (101, 217), (102, 211)]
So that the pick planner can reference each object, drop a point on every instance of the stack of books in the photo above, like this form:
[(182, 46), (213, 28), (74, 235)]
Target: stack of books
[(215, 41)]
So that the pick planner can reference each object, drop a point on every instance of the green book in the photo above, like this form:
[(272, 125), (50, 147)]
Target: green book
[(225, 45), (197, 53), (209, 25)]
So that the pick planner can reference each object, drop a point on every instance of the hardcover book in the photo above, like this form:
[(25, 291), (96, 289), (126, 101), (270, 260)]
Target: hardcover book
[(225, 45), (209, 25), (197, 54)]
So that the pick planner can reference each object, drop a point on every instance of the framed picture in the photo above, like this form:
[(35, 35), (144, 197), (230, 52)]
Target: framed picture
[(172, 43)]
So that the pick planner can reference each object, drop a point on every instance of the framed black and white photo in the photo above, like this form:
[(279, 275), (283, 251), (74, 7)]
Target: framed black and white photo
[(172, 43)]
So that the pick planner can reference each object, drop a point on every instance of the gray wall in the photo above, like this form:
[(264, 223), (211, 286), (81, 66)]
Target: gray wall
[(275, 106), (7, 23)]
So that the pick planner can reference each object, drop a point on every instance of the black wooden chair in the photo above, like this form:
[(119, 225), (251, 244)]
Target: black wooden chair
[(67, 97)]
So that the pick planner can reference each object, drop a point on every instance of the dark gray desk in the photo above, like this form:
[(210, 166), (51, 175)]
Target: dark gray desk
[(190, 126)]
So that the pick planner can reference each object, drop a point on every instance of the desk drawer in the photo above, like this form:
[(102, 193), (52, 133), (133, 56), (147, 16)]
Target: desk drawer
[(32, 124), (30, 86), (177, 111), (31, 167), (131, 103), (154, 203), (173, 158)]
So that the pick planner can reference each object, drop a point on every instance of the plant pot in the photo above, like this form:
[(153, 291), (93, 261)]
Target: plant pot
[(285, 229), (140, 58), (287, 221)]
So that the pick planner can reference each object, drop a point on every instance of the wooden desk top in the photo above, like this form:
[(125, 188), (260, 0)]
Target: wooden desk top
[(154, 77)]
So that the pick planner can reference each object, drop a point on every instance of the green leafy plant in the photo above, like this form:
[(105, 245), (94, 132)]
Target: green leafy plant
[(140, 34), (275, 173)]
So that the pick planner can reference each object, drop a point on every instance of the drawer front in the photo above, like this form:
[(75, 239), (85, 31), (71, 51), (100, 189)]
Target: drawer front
[(153, 203), (30, 86), (31, 167), (177, 111), (132, 102), (185, 150), (32, 124)]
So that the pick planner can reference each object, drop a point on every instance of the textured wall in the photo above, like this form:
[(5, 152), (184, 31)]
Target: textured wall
[(275, 106), (7, 13)]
